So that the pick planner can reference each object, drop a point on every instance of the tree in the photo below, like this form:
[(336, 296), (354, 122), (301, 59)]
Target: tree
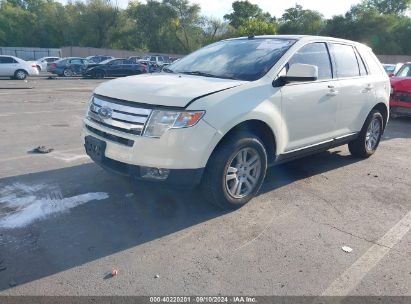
[(297, 20), (244, 11), (396, 7), (151, 22), (187, 24), (364, 23), (256, 26)]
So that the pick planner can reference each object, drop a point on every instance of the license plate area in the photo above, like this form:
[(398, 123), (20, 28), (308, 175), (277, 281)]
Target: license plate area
[(95, 148)]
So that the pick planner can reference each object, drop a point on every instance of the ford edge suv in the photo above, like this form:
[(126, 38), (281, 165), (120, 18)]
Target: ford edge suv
[(223, 114)]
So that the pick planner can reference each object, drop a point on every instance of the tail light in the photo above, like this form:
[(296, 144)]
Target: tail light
[(53, 65), (34, 66)]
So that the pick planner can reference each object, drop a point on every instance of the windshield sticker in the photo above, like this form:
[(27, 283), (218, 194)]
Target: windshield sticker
[(271, 44)]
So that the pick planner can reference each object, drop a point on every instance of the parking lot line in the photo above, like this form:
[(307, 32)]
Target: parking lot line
[(31, 155), (353, 276)]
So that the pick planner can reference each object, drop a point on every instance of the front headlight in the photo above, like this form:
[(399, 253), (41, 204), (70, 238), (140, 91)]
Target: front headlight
[(160, 121)]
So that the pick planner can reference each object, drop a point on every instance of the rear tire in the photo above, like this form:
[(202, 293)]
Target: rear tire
[(67, 73), (235, 171), (20, 75), (369, 138)]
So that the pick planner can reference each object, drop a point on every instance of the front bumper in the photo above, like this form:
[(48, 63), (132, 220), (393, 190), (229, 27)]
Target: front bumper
[(398, 107), (184, 152), (181, 177)]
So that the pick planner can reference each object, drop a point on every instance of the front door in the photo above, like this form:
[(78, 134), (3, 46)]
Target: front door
[(310, 108)]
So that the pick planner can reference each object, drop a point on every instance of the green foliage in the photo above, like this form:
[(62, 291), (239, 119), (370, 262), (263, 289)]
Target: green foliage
[(244, 11), (177, 26), (256, 27), (297, 20), (396, 7), (368, 22)]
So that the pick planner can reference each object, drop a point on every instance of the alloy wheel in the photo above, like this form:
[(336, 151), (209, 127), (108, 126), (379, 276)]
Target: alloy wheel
[(373, 134), (243, 173)]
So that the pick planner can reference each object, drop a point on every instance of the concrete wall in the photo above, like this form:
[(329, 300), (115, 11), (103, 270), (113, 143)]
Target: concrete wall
[(76, 51), (27, 53), (394, 58)]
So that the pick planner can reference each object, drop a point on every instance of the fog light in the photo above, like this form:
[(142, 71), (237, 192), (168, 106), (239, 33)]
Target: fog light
[(154, 173)]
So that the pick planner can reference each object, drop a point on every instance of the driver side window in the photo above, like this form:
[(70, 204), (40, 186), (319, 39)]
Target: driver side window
[(314, 54)]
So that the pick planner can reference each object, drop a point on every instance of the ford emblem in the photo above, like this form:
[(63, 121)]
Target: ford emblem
[(105, 113)]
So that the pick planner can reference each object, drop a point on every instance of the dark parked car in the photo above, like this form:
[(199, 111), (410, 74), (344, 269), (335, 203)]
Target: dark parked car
[(115, 68), (98, 58), (70, 66)]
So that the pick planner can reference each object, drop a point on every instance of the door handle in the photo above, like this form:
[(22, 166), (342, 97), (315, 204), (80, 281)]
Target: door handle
[(333, 91)]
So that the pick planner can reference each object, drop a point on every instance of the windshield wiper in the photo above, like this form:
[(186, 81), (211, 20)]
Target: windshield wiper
[(199, 73)]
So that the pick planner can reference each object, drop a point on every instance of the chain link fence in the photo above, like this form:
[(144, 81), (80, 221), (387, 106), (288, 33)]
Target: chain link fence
[(26, 53)]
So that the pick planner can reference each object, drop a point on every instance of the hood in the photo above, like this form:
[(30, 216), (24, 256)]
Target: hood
[(401, 83), (174, 90)]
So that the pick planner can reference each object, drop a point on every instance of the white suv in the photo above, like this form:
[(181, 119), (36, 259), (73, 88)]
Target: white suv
[(223, 114)]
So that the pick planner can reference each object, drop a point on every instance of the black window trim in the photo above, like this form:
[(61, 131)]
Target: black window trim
[(9, 57), (359, 57), (333, 76), (334, 61)]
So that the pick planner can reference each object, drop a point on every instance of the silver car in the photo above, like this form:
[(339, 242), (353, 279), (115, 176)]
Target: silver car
[(16, 68)]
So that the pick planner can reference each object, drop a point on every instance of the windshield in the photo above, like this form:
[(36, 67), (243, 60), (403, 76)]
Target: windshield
[(243, 59), (405, 71)]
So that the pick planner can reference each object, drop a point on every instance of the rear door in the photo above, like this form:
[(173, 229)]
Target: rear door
[(309, 108), (116, 68), (8, 66), (356, 88)]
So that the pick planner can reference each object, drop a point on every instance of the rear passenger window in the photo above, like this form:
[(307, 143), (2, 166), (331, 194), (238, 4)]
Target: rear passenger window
[(345, 60), (314, 54), (7, 60), (374, 66)]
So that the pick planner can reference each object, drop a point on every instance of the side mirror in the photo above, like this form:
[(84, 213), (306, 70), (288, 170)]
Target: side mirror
[(301, 73), (391, 75)]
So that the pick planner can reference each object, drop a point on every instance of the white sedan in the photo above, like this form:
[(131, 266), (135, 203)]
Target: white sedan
[(42, 62), (16, 68)]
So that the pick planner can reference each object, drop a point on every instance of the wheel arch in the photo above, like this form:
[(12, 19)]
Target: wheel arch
[(20, 69), (381, 107), (261, 129)]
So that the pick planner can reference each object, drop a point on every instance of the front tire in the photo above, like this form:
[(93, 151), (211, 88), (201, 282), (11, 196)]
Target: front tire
[(369, 138), (20, 75), (99, 74), (235, 171)]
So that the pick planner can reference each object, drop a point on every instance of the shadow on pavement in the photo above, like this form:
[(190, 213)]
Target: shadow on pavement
[(132, 215)]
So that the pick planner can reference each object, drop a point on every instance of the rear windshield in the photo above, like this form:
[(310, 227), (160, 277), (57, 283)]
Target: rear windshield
[(243, 59)]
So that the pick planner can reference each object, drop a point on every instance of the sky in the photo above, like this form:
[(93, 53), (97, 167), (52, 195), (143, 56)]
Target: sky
[(218, 8)]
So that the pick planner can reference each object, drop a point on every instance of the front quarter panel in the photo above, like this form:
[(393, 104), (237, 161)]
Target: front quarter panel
[(252, 101)]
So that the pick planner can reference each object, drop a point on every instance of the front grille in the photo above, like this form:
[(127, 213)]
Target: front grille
[(117, 139), (402, 96), (123, 116)]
